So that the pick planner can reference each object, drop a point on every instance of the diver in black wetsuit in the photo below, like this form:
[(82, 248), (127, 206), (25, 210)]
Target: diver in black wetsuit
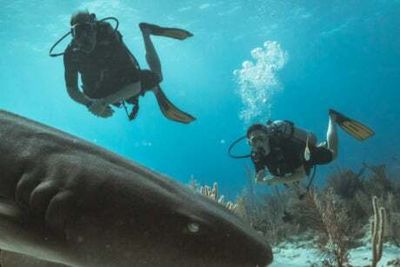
[(109, 72), (289, 153)]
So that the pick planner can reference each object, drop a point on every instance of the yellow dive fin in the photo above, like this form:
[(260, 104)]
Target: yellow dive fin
[(169, 110), (175, 33), (352, 127)]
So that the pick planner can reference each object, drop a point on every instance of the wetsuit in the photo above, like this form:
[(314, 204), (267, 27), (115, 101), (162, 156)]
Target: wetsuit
[(108, 68), (287, 155)]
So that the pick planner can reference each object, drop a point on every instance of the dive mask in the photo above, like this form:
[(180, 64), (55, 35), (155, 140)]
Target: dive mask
[(79, 29), (259, 141)]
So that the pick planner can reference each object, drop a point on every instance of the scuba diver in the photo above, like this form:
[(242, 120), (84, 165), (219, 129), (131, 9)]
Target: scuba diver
[(290, 153), (110, 74)]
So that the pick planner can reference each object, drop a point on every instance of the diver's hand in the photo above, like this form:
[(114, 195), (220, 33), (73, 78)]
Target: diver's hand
[(100, 108), (260, 176), (263, 178)]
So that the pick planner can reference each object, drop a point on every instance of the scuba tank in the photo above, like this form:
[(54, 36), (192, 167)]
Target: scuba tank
[(286, 130)]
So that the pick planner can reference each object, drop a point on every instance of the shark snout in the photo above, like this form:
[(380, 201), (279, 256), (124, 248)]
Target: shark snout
[(220, 238)]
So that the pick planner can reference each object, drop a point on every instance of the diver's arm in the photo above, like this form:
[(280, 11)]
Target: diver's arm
[(259, 166), (71, 81), (258, 161), (78, 96)]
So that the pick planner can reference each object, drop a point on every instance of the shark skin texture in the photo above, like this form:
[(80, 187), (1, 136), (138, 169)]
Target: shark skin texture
[(11, 259), (67, 201)]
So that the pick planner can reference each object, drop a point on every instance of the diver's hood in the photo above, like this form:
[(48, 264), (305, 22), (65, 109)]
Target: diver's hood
[(70, 33)]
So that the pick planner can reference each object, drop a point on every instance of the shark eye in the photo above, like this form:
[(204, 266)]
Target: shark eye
[(193, 227)]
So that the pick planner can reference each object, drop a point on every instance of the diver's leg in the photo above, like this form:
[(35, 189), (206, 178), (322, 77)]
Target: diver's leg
[(126, 92), (175, 33), (332, 136), (151, 54)]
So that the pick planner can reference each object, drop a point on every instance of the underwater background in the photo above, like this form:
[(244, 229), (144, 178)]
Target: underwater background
[(248, 61)]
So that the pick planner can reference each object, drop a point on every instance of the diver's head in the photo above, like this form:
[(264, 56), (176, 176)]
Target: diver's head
[(258, 138), (83, 30)]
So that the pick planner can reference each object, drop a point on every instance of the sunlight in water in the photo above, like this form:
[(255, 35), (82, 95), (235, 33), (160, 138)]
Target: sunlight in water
[(257, 80)]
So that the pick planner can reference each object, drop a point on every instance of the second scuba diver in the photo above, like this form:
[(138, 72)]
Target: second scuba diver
[(109, 72), (289, 153)]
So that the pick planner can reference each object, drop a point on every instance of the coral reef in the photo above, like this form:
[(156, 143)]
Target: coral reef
[(378, 227), (334, 217), (395, 262), (337, 225), (212, 193)]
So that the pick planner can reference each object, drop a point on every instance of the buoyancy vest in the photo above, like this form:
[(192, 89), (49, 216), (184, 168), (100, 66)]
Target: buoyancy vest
[(109, 66), (287, 144)]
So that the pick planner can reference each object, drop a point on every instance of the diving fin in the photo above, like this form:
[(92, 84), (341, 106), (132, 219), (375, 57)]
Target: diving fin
[(352, 127), (175, 33), (169, 110)]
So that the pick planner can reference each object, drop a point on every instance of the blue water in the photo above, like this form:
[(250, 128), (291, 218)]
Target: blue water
[(319, 54)]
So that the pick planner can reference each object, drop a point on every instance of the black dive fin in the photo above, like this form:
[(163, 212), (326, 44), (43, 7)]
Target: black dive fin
[(175, 33), (352, 127), (170, 110)]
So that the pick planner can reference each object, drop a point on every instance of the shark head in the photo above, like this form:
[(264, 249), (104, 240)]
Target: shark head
[(65, 200)]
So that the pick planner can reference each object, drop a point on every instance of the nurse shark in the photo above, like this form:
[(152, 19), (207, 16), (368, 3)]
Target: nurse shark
[(67, 201)]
